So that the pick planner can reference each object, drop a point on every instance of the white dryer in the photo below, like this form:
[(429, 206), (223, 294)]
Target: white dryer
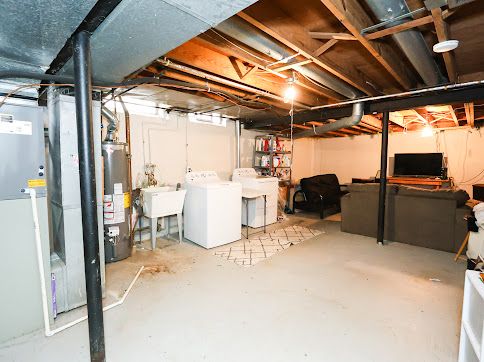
[(212, 209), (249, 178)]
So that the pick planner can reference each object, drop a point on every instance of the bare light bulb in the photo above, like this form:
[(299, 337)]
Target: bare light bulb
[(427, 131), (289, 94)]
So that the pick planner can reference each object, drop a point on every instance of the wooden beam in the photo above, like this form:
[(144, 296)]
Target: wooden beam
[(295, 125), (325, 47), (397, 118), (442, 30), (217, 64), (454, 117), (349, 131), (250, 71), (351, 14), (234, 63), (326, 36), (372, 122), (290, 66), (414, 113), (220, 46), (363, 129), (469, 108), (400, 27), (355, 81)]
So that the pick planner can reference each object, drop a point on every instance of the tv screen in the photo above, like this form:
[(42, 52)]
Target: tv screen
[(418, 164)]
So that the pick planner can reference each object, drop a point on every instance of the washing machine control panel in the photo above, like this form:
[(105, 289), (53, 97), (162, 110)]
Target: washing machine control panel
[(245, 172), (201, 177)]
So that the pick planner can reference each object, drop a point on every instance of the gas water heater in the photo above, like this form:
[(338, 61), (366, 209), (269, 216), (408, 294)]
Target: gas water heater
[(116, 200)]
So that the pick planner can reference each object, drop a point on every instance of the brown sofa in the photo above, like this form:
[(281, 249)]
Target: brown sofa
[(429, 218)]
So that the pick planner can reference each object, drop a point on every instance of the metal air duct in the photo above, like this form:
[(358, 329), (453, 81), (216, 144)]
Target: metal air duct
[(353, 120), (247, 34), (410, 41)]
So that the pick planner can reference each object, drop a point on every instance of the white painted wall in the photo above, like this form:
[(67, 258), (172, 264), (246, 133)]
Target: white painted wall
[(360, 156), (175, 144)]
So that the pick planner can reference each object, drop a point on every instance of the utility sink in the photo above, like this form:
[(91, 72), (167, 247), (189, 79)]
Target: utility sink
[(162, 201)]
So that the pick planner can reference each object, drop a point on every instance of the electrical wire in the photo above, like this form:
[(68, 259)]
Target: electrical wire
[(208, 90)]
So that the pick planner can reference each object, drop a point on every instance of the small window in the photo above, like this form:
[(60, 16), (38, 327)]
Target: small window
[(210, 119)]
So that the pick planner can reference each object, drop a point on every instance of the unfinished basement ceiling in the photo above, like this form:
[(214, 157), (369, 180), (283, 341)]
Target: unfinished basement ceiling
[(138, 31), (193, 103), (330, 37)]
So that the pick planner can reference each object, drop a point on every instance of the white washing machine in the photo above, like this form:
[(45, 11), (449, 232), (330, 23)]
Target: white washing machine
[(249, 178), (212, 209)]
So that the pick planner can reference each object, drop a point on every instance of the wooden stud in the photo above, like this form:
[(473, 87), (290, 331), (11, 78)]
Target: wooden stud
[(469, 108), (442, 30), (397, 118), (357, 83), (454, 117), (371, 121), (325, 47), (400, 27), (290, 66), (226, 49), (250, 71), (351, 14), (233, 60), (295, 125), (327, 36)]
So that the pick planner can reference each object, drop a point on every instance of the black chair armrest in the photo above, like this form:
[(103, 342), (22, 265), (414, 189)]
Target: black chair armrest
[(298, 192)]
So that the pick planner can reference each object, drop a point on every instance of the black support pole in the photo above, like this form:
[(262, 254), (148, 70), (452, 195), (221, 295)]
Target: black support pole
[(83, 90), (383, 179)]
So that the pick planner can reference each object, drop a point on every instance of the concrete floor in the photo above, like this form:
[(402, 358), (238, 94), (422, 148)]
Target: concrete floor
[(336, 297)]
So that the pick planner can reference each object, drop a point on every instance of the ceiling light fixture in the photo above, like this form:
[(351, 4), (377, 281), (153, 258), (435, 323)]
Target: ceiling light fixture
[(290, 92), (445, 46), (427, 131)]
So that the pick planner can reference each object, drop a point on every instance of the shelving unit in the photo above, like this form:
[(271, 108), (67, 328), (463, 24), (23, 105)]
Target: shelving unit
[(472, 328), (266, 153)]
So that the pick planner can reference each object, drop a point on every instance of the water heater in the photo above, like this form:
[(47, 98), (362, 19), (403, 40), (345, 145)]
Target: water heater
[(116, 202)]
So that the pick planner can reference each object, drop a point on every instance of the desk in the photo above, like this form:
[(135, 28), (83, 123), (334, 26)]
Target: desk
[(249, 194), (416, 181)]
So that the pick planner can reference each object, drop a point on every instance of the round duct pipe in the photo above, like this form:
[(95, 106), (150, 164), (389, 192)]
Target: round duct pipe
[(410, 41), (247, 34)]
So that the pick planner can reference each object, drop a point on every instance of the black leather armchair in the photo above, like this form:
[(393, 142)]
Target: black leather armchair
[(318, 193)]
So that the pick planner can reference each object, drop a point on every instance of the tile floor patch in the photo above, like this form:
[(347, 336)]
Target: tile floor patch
[(261, 246)]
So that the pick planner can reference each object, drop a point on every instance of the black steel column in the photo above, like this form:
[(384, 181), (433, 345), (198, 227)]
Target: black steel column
[(82, 75), (383, 178)]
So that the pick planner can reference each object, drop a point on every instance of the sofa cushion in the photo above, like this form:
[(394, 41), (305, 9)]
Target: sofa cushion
[(460, 196), (391, 189)]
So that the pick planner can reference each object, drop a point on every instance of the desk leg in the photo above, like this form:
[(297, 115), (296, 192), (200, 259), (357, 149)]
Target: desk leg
[(140, 216), (247, 217), (265, 210)]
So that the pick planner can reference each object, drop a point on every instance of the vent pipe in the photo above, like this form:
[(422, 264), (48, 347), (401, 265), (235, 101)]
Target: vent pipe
[(247, 34), (112, 129), (410, 41), (353, 120)]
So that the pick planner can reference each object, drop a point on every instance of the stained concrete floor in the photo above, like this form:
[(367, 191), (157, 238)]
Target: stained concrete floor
[(335, 297)]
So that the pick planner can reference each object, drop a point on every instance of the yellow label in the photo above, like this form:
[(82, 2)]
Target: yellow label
[(127, 200), (40, 182)]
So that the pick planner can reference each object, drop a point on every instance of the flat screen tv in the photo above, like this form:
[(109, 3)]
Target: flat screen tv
[(418, 164)]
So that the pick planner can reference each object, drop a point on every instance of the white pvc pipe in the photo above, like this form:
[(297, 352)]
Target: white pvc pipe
[(40, 264), (40, 259), (237, 143)]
